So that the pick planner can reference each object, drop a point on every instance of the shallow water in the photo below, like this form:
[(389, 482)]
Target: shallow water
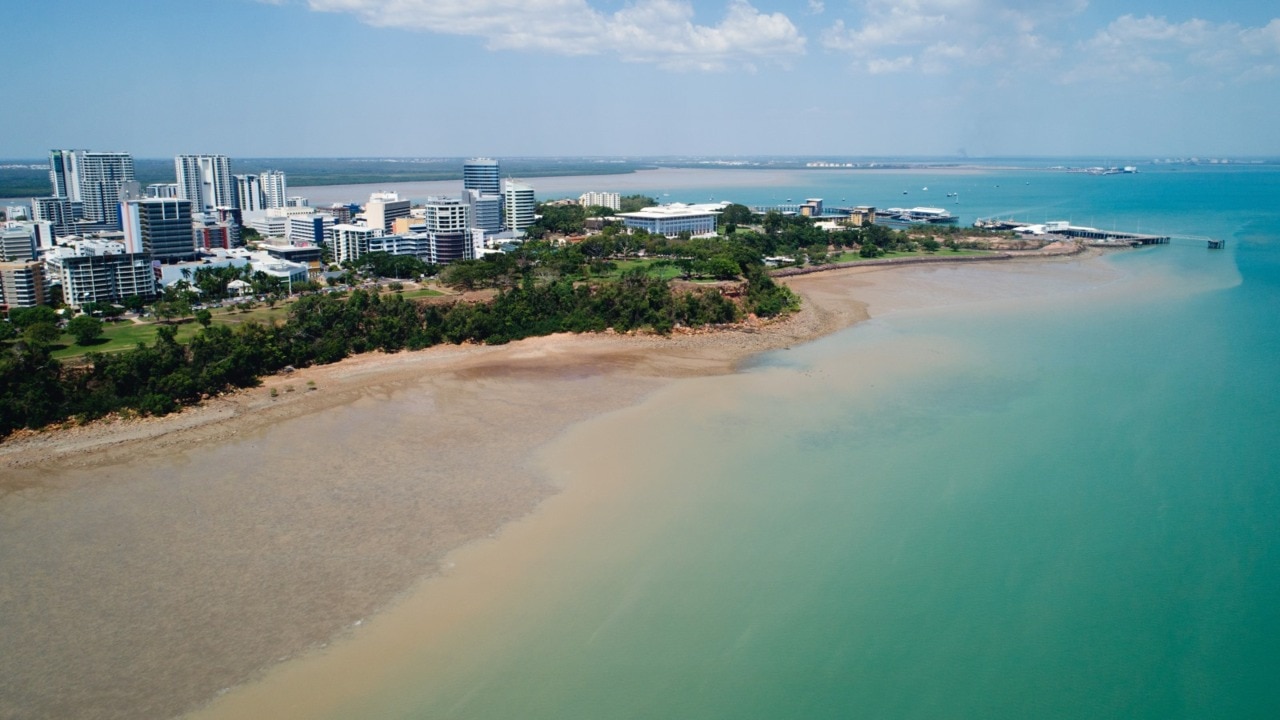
[(1061, 506)]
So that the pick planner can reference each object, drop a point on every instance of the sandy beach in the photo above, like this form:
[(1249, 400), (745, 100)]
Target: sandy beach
[(152, 564)]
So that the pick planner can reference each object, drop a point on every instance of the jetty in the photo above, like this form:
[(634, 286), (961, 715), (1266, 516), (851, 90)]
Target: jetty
[(1064, 229)]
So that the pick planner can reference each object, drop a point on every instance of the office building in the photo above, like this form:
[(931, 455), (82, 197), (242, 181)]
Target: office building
[(482, 175), (447, 222), (159, 227), (518, 206), (312, 229), (383, 208), (674, 219), (486, 211), (275, 191), (205, 180)]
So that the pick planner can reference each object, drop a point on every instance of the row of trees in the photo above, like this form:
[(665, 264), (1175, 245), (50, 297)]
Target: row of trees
[(36, 390)]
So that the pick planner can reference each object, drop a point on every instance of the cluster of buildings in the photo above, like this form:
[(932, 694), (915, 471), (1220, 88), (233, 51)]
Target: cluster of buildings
[(100, 236)]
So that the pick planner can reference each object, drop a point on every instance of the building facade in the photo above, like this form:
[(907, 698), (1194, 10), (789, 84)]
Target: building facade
[(159, 227), (275, 190), (313, 229), (519, 206), (482, 175), (352, 241), (64, 173), (674, 219), (22, 284), (205, 180), (18, 242), (383, 209), (106, 278), (611, 200), (102, 176), (249, 196), (447, 222)]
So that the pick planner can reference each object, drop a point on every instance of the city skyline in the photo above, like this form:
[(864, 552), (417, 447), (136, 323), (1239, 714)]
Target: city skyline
[(983, 78)]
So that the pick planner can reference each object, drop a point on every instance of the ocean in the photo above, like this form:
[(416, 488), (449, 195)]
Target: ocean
[(1055, 502)]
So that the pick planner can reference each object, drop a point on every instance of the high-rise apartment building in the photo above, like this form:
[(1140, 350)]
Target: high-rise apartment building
[(17, 242), (611, 200), (64, 173), (22, 284), (102, 175), (160, 227), (519, 206), (352, 241), (60, 212), (106, 278), (205, 180), (249, 195), (275, 191)]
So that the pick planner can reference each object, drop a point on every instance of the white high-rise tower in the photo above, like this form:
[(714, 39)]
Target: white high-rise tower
[(205, 180), (275, 193)]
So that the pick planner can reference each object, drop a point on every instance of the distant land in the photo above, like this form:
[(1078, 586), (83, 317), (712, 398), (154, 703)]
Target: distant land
[(29, 177)]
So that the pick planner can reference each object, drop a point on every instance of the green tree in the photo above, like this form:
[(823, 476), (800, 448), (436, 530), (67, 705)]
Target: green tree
[(85, 329), (204, 317), (23, 318), (632, 203), (736, 214), (41, 333)]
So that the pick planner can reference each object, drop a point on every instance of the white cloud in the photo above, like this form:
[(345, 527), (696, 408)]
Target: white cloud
[(1194, 52), (938, 35), (662, 32), (817, 7)]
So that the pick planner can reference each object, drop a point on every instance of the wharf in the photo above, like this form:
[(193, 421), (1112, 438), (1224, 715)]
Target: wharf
[(1094, 236)]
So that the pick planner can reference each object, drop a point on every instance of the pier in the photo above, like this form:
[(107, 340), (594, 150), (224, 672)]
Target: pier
[(1094, 236)]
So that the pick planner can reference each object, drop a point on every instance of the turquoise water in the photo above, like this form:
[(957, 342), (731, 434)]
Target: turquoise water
[(1066, 509)]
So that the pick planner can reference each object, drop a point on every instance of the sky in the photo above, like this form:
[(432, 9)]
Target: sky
[(514, 78)]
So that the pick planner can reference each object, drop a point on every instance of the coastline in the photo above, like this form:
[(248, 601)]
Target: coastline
[(500, 402)]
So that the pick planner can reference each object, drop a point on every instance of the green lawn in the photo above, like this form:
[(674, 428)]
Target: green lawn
[(125, 335), (119, 336), (420, 293), (650, 266)]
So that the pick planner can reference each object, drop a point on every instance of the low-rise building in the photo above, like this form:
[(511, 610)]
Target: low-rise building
[(676, 218)]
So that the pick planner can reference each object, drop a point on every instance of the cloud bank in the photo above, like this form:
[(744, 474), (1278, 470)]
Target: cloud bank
[(661, 32)]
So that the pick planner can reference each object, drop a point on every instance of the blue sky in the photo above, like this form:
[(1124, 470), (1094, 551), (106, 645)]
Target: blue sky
[(425, 78)]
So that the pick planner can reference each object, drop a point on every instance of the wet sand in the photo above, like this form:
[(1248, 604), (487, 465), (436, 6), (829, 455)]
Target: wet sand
[(152, 564)]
